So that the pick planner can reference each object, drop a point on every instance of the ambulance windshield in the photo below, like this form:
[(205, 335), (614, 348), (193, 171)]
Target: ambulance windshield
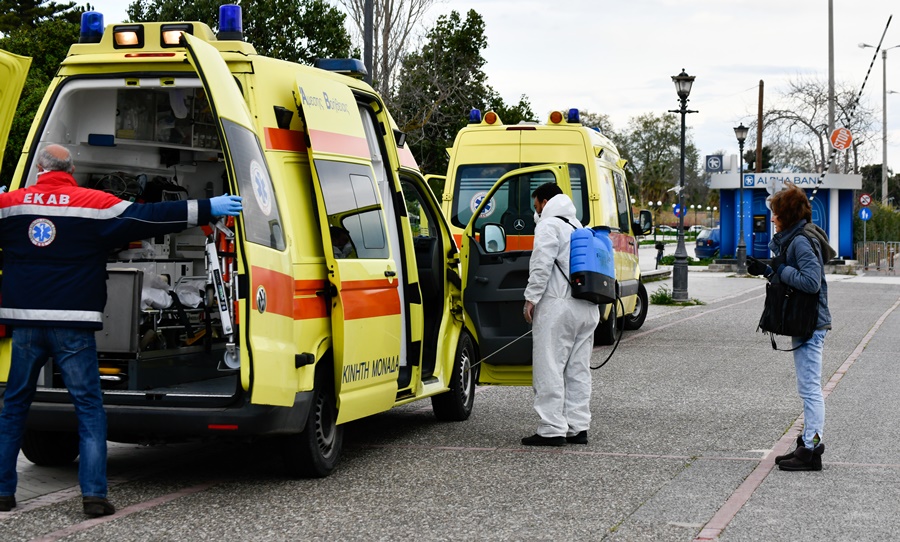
[(512, 205)]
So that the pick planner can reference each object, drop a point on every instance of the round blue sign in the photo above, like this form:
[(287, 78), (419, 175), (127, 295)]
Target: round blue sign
[(678, 210), (865, 213)]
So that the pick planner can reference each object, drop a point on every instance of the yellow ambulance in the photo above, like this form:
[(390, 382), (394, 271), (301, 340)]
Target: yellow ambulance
[(336, 295), (482, 153)]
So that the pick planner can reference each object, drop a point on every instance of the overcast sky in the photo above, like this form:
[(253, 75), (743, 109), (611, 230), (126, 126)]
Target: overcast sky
[(617, 58)]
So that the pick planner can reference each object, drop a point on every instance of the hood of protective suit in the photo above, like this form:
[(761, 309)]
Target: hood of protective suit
[(558, 205)]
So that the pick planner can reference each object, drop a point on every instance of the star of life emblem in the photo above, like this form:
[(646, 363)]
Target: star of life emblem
[(41, 232)]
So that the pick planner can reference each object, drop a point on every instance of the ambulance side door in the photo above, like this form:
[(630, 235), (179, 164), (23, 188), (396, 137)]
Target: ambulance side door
[(363, 278), (13, 70), (264, 320), (494, 289)]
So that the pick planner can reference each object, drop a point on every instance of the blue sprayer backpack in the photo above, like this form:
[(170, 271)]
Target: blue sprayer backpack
[(592, 271)]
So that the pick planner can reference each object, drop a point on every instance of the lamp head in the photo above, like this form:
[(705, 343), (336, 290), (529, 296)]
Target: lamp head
[(683, 83), (740, 132)]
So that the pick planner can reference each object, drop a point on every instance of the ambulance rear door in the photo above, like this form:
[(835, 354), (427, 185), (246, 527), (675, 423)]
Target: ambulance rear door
[(364, 280), (494, 281), (13, 70), (265, 319)]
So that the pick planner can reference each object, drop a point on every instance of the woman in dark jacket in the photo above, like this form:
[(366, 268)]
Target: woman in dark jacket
[(800, 249)]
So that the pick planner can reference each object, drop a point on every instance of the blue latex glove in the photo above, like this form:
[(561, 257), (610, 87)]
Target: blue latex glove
[(225, 205)]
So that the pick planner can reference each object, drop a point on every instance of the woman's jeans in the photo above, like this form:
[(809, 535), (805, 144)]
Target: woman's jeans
[(808, 363), (74, 352)]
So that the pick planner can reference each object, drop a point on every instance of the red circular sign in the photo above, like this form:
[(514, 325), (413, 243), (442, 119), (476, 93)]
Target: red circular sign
[(865, 199), (841, 139)]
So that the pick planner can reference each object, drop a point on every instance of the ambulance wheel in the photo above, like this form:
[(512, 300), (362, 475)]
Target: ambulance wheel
[(456, 404), (607, 332), (50, 448), (314, 453), (636, 319)]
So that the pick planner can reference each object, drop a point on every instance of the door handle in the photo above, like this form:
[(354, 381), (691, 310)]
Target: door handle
[(390, 273), (481, 280)]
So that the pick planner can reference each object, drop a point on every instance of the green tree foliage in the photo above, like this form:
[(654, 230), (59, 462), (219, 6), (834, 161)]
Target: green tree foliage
[(750, 159), (883, 226), (652, 145), (293, 30), (439, 85), (871, 183), (31, 13), (47, 44)]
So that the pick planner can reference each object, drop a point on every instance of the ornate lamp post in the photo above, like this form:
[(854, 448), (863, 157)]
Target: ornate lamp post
[(741, 133), (683, 83)]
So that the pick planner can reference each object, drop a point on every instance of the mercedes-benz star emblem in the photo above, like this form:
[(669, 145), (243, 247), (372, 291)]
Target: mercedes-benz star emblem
[(519, 224)]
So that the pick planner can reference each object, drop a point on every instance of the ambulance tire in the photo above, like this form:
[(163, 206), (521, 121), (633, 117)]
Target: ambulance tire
[(50, 448), (314, 453), (456, 405), (607, 332), (636, 319)]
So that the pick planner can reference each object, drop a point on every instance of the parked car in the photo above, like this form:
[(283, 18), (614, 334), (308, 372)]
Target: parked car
[(696, 228), (668, 230), (708, 241)]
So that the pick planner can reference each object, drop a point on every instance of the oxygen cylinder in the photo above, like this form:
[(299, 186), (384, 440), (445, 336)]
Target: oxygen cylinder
[(591, 266)]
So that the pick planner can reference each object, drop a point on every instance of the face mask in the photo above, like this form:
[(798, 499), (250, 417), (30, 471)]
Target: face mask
[(537, 217)]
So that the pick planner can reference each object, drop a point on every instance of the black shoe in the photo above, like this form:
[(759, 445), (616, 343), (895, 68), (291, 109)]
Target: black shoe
[(804, 459), (580, 438), (537, 440), (7, 503), (780, 458), (97, 506)]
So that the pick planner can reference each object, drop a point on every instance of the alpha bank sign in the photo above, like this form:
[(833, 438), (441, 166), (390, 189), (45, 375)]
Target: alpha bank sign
[(776, 180)]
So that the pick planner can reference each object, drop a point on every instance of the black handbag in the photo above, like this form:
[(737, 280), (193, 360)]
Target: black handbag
[(789, 311)]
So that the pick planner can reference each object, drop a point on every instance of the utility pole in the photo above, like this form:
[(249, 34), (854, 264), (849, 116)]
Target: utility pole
[(831, 76), (368, 32), (759, 130)]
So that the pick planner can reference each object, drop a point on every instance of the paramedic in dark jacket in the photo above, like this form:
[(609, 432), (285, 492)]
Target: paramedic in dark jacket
[(801, 248), (55, 237)]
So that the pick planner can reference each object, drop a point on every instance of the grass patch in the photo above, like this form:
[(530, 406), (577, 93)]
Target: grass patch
[(663, 296)]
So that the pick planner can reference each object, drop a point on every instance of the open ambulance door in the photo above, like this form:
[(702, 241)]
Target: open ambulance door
[(367, 321), (264, 322), (494, 283), (13, 70)]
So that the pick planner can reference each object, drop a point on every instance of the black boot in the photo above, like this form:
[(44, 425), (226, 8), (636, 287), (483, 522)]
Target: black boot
[(537, 440), (780, 458), (804, 459)]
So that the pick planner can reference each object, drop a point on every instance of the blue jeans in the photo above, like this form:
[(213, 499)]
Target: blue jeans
[(808, 364), (74, 352)]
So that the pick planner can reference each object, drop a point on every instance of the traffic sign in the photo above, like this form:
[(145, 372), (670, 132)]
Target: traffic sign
[(841, 139), (678, 210), (865, 199), (865, 214)]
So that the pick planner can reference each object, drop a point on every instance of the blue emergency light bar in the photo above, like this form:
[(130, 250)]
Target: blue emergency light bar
[(344, 66), (91, 27), (231, 25), (474, 116), (573, 117)]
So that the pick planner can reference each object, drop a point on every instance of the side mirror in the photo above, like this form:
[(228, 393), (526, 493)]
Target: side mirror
[(493, 238), (644, 225)]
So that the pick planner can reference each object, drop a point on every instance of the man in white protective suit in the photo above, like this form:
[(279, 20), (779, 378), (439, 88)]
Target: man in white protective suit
[(563, 327)]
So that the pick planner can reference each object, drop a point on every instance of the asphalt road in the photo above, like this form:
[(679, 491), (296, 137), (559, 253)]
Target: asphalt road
[(685, 418)]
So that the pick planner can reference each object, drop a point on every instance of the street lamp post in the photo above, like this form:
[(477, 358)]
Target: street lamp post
[(884, 93), (708, 216), (683, 83), (741, 133)]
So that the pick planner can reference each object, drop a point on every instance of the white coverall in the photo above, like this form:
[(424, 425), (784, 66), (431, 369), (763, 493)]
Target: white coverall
[(563, 328)]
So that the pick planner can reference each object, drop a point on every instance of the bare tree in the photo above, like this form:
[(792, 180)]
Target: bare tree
[(797, 127), (394, 23)]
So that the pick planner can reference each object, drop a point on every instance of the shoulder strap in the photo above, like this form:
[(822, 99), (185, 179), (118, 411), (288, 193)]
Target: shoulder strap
[(566, 220)]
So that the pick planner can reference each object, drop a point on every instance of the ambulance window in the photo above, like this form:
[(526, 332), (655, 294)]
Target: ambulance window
[(261, 215), (607, 199), (578, 181), (352, 204), (623, 202)]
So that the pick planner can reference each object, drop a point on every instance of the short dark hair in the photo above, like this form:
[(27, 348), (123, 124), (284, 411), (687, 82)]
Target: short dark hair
[(546, 191), (791, 205)]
